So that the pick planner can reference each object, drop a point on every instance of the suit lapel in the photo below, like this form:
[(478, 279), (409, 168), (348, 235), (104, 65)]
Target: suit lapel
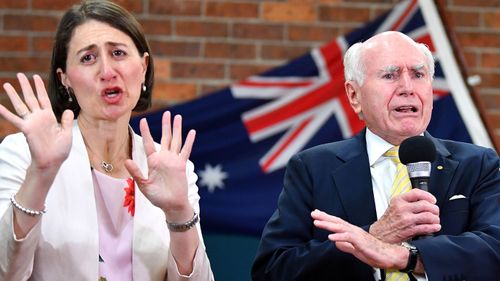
[(353, 182), (442, 172)]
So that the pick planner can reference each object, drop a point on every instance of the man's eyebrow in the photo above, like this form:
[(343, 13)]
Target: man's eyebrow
[(418, 67), (391, 68)]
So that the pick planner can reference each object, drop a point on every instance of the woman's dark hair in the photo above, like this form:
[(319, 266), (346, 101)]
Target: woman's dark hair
[(102, 11)]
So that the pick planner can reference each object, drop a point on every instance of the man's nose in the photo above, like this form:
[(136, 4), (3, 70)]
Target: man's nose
[(405, 84)]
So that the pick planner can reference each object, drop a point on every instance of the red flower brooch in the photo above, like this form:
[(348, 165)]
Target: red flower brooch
[(129, 200)]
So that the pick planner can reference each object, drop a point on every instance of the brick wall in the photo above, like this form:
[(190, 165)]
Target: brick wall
[(200, 46)]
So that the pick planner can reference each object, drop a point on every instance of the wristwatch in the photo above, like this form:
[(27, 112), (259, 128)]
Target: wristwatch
[(412, 258)]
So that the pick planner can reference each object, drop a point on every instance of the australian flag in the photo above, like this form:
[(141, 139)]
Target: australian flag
[(247, 132)]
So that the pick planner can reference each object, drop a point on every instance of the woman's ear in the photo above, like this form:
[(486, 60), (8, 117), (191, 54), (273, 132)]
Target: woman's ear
[(354, 95), (145, 63), (62, 77)]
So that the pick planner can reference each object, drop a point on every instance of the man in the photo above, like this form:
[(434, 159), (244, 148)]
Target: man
[(337, 217)]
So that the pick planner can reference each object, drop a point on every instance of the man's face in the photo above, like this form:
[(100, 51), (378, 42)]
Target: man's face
[(396, 97)]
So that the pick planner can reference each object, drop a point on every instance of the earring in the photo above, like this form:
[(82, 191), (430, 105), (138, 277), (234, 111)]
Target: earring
[(69, 90), (144, 88)]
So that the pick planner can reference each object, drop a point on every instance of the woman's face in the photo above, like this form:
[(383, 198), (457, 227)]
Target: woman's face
[(105, 71)]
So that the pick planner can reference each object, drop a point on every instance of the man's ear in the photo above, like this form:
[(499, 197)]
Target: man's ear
[(62, 77), (354, 95)]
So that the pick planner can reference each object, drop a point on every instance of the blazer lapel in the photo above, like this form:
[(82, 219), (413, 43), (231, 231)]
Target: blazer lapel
[(442, 172), (353, 182)]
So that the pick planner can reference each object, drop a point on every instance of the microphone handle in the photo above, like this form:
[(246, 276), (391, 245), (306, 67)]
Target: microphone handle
[(420, 183), (423, 184)]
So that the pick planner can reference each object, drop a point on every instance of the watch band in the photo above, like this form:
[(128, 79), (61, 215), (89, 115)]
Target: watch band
[(412, 257)]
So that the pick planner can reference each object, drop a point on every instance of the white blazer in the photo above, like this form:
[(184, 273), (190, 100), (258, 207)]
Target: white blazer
[(65, 244)]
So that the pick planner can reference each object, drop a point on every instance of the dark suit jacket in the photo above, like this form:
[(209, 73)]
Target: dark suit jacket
[(335, 178)]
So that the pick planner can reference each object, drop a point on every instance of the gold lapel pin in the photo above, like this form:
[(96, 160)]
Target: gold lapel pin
[(439, 167)]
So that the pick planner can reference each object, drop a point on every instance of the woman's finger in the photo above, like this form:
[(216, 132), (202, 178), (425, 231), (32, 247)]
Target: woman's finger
[(176, 143), (43, 98), (29, 96), (11, 117), (16, 101), (166, 131), (188, 145), (147, 139), (135, 172)]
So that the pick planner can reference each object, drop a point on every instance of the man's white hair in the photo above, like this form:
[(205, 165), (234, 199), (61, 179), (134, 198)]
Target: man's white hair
[(354, 66)]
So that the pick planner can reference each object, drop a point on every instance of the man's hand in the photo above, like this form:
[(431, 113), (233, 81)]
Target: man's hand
[(411, 214), (364, 246)]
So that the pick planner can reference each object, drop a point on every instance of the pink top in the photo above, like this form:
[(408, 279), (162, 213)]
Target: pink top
[(115, 215)]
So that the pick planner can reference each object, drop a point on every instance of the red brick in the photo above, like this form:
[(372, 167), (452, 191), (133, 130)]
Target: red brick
[(489, 80), (492, 19), (25, 64), (476, 3), (312, 33), (197, 70), (13, 4), (173, 48), (289, 12), (13, 43), (494, 119), (490, 60), (52, 4), (232, 10), (379, 10), (230, 50), (481, 40), (460, 18), (30, 23), (133, 6), (170, 91), (156, 27), (242, 71), (258, 31), (344, 14), (175, 8), (471, 59), (159, 105), (201, 28), (43, 44), (283, 51), (162, 68), (491, 101)]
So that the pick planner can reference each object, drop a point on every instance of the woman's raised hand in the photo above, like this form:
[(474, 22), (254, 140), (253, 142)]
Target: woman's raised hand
[(166, 185), (49, 142)]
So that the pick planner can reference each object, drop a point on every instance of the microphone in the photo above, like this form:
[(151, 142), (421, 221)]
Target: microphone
[(417, 153)]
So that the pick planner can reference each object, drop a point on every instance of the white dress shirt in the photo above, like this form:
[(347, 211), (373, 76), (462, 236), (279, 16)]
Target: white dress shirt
[(383, 171)]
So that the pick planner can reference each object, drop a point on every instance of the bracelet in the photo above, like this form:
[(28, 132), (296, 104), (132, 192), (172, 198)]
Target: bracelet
[(181, 227), (25, 210)]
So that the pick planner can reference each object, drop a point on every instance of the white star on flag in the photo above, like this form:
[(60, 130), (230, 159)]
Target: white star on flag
[(212, 177)]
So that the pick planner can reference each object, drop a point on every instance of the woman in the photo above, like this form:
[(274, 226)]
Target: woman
[(87, 198)]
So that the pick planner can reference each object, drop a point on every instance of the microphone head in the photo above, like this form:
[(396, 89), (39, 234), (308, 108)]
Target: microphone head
[(417, 149)]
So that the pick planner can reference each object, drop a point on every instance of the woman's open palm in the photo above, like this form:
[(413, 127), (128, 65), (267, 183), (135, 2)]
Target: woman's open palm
[(49, 142)]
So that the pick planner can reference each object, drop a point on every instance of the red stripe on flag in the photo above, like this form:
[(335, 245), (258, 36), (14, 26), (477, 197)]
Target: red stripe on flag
[(403, 17), (291, 109), (286, 142)]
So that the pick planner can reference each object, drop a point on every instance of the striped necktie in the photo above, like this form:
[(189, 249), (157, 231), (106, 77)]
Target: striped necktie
[(400, 185)]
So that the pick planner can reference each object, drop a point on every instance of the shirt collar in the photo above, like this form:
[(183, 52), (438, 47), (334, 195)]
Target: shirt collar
[(376, 147)]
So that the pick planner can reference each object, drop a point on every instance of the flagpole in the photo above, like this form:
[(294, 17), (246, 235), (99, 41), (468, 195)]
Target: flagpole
[(464, 95)]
